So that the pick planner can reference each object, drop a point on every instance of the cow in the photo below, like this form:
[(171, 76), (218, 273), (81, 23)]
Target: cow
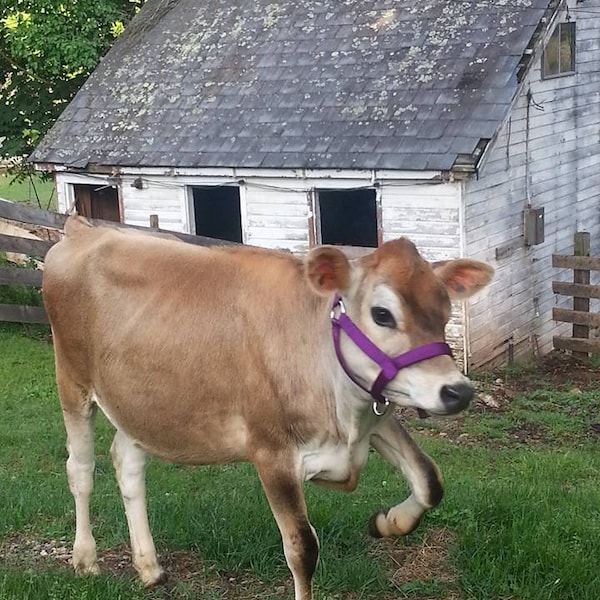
[(214, 355)]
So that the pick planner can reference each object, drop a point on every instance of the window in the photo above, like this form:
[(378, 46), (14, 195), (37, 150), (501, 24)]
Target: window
[(559, 54), (97, 202), (217, 212), (348, 217)]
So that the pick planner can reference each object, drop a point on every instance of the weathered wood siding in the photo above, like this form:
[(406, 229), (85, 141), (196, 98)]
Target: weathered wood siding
[(276, 218), (168, 199), (547, 154), (428, 214), (165, 196)]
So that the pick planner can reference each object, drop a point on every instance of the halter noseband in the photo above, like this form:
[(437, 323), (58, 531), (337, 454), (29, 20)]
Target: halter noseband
[(389, 365)]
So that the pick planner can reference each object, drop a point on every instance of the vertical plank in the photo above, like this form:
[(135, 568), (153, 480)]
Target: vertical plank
[(580, 276), (379, 215), (312, 236), (154, 221)]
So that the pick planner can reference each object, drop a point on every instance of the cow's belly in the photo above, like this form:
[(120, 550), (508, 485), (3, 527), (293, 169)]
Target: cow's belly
[(334, 465), (181, 440)]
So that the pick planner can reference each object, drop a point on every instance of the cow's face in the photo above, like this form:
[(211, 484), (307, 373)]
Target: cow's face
[(401, 302)]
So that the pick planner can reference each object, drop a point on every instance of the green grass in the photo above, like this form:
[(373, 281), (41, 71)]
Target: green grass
[(521, 521), (33, 190)]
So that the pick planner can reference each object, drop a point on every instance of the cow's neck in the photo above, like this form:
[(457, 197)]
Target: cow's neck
[(354, 408)]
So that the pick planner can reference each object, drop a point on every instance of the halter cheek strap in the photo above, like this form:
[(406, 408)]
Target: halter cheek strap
[(390, 366)]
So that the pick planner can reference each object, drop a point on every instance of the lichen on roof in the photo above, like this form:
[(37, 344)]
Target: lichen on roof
[(319, 83)]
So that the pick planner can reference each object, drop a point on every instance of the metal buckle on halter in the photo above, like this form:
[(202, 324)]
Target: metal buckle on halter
[(375, 407), (339, 304)]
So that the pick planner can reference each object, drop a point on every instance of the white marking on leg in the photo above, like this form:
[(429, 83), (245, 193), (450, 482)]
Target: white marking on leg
[(395, 445), (130, 463), (80, 471)]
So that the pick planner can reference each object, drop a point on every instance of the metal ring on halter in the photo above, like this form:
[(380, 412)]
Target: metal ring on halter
[(339, 304), (376, 404)]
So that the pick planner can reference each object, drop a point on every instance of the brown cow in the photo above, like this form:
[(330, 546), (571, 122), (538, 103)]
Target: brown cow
[(204, 356)]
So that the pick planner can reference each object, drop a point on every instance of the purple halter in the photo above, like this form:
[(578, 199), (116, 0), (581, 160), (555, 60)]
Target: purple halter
[(389, 365)]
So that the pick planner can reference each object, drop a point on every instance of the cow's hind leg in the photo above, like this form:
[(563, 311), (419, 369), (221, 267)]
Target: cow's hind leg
[(392, 441), (78, 414), (130, 464), (285, 493)]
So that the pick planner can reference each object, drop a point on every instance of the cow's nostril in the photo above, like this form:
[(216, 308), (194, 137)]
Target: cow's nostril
[(456, 397)]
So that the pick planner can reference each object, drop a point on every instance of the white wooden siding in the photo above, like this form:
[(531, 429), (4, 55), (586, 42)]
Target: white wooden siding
[(167, 201), (428, 214), (563, 164), (277, 218)]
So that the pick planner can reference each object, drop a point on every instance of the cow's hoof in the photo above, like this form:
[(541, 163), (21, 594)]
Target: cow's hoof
[(373, 528), (151, 580), (86, 569)]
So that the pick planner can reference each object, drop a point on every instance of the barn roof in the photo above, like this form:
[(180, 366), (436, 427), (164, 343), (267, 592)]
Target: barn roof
[(348, 84)]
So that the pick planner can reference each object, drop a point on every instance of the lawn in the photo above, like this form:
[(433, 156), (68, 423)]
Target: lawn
[(34, 190), (520, 519)]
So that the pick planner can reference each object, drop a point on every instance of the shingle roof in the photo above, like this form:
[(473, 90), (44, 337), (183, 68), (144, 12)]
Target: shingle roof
[(392, 84)]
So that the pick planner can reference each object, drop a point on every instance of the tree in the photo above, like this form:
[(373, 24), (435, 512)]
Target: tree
[(47, 50)]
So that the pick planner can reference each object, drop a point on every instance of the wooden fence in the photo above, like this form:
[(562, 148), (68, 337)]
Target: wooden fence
[(37, 249), (581, 290)]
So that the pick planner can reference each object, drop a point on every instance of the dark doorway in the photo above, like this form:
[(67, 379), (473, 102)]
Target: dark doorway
[(217, 212), (97, 202), (348, 217)]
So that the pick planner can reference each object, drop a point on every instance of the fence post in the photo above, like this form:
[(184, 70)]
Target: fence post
[(154, 222), (582, 248)]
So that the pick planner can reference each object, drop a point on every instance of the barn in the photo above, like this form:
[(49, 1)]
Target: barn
[(470, 126)]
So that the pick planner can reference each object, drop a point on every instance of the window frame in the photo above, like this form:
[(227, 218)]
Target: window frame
[(317, 227), (212, 188), (555, 38)]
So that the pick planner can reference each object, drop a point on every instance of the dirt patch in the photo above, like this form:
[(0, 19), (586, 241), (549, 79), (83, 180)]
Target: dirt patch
[(415, 567)]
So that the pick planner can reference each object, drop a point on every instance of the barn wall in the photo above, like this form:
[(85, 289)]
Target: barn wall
[(427, 214), (547, 154), (276, 219)]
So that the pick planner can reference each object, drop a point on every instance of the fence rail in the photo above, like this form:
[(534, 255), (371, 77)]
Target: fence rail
[(581, 290), (37, 249)]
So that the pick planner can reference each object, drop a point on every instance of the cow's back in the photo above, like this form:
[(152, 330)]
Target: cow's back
[(191, 336)]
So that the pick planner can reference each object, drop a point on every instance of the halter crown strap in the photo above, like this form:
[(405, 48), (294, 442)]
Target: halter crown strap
[(389, 365)]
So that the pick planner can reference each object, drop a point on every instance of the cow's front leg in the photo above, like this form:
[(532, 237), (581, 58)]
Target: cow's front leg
[(285, 493), (130, 464), (392, 441)]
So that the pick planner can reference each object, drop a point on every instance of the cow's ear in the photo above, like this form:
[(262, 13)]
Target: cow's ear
[(328, 270), (463, 277)]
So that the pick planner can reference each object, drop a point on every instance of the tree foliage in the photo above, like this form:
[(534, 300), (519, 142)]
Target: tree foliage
[(47, 50)]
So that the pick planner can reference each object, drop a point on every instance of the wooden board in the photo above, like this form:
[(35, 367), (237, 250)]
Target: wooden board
[(576, 344), (28, 277), (576, 316), (576, 289), (22, 314), (27, 214), (576, 262), (11, 243)]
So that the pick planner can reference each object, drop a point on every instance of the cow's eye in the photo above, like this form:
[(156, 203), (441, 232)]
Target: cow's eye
[(383, 317)]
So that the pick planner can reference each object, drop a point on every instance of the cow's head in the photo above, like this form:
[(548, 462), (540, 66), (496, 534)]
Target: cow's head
[(401, 302)]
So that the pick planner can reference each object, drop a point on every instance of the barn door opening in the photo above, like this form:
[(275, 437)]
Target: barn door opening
[(97, 202), (348, 217), (217, 212)]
